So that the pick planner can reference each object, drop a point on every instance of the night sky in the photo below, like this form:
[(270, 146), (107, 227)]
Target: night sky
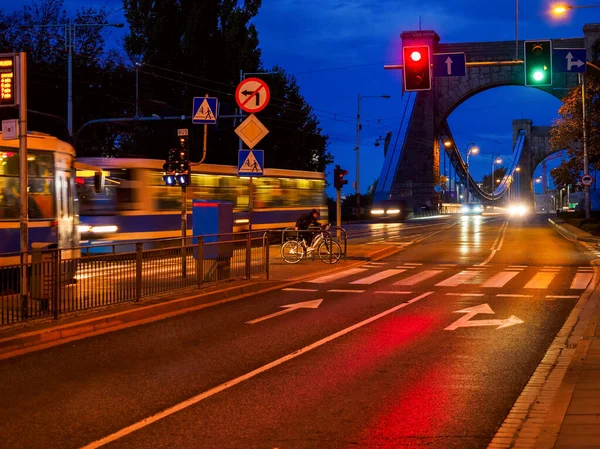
[(337, 49)]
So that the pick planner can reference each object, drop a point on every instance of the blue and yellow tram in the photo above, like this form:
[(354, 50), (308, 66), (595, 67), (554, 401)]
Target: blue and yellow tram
[(51, 195), (135, 204)]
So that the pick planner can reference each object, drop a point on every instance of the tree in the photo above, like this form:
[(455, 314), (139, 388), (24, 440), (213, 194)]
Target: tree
[(499, 173), (566, 131)]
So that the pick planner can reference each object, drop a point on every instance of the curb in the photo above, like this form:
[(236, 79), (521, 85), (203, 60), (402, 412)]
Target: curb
[(565, 232), (149, 312)]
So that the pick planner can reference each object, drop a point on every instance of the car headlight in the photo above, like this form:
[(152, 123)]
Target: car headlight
[(465, 209), (377, 211), (393, 211)]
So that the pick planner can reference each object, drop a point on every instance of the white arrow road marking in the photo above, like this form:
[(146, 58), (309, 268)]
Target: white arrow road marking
[(571, 63), (449, 63), (288, 308), (466, 321)]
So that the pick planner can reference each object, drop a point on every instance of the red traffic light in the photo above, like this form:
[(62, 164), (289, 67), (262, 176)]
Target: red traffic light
[(338, 177), (416, 68)]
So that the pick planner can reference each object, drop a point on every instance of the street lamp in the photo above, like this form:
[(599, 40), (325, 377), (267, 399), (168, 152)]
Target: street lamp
[(357, 149), (70, 33), (560, 9), (471, 148), (495, 160)]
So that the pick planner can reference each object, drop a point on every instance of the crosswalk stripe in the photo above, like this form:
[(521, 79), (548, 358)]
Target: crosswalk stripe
[(500, 279), (335, 276), (541, 279), (562, 297), (457, 279), (378, 276), (419, 277), (581, 281)]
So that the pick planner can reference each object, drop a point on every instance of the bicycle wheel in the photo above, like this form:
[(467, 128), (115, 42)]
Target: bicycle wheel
[(330, 251), (292, 251)]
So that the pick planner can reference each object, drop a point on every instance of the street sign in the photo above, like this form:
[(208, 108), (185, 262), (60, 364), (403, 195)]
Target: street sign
[(252, 95), (182, 132), (9, 129), (251, 131), (449, 64), (569, 60), (251, 162), (466, 320), (587, 180), (204, 110)]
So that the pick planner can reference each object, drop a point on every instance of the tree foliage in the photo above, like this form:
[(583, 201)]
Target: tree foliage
[(184, 48), (499, 173), (567, 131)]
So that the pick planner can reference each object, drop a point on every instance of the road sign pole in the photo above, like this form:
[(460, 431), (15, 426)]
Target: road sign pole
[(23, 182), (338, 213), (250, 202), (586, 168)]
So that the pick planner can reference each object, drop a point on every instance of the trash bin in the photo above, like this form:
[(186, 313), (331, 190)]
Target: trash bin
[(43, 258)]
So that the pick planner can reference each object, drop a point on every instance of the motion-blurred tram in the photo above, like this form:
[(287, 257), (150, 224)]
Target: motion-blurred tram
[(135, 203), (51, 196)]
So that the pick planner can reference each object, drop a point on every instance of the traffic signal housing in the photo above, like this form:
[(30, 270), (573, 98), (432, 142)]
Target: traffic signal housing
[(538, 63), (416, 61), (338, 177)]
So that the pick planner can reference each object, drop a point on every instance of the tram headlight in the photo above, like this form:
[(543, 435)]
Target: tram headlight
[(104, 229)]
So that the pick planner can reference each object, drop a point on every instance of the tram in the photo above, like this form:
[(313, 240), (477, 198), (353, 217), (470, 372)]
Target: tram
[(135, 203), (51, 196)]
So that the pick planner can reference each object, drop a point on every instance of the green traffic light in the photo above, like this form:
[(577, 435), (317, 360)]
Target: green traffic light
[(538, 75), (538, 63)]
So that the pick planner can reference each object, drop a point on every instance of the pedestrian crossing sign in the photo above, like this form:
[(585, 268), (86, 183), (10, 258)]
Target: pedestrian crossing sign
[(204, 110), (251, 163)]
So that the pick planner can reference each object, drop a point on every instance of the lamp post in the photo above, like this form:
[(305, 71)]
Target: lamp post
[(471, 148), (559, 10), (518, 182), (71, 33), (357, 149), (495, 160)]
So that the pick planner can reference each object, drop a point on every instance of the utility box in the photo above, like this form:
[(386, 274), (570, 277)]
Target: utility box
[(43, 271)]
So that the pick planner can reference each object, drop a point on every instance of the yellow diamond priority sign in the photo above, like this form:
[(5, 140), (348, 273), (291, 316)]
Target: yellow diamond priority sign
[(251, 131)]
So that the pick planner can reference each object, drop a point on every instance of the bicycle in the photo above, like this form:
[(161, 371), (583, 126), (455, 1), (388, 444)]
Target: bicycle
[(295, 249)]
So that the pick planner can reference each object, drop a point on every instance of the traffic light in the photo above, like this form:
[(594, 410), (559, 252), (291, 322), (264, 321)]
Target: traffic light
[(416, 68), (538, 63), (338, 177)]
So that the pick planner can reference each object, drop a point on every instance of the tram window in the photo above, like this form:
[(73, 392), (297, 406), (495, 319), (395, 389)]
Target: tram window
[(41, 194), (9, 198), (9, 162)]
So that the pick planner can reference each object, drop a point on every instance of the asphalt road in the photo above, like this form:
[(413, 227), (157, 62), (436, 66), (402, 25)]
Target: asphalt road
[(428, 348)]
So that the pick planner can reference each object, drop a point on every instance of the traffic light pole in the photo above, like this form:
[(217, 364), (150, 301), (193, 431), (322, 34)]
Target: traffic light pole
[(338, 213), (586, 165), (183, 231)]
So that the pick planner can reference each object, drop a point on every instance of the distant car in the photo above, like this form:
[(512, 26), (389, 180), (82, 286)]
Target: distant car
[(472, 209)]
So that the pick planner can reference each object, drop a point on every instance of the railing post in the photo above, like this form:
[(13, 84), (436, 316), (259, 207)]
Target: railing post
[(139, 258), (248, 255), (200, 262), (23, 286), (267, 245), (56, 284)]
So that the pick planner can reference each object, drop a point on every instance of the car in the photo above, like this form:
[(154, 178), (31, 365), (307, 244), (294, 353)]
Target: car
[(472, 209)]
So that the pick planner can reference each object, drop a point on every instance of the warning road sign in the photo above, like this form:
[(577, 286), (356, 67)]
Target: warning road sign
[(252, 95), (251, 162), (204, 110)]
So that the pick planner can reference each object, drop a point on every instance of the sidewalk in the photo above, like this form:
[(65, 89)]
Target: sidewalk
[(43, 334), (559, 408)]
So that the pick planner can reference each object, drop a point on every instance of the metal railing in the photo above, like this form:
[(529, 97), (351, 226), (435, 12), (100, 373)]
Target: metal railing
[(102, 275)]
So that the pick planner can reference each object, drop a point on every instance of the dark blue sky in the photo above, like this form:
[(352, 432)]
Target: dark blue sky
[(337, 49)]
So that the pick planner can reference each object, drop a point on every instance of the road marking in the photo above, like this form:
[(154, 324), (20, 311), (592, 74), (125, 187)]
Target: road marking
[(466, 321), (416, 264), (447, 264), (345, 291), (392, 292), (289, 308), (581, 281), (562, 297), (457, 279), (335, 276), (406, 267), (378, 263), (500, 279), (541, 279), (378, 277), (465, 294), (477, 268), (517, 266), (506, 295), (497, 245), (291, 289), (249, 375), (419, 277)]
